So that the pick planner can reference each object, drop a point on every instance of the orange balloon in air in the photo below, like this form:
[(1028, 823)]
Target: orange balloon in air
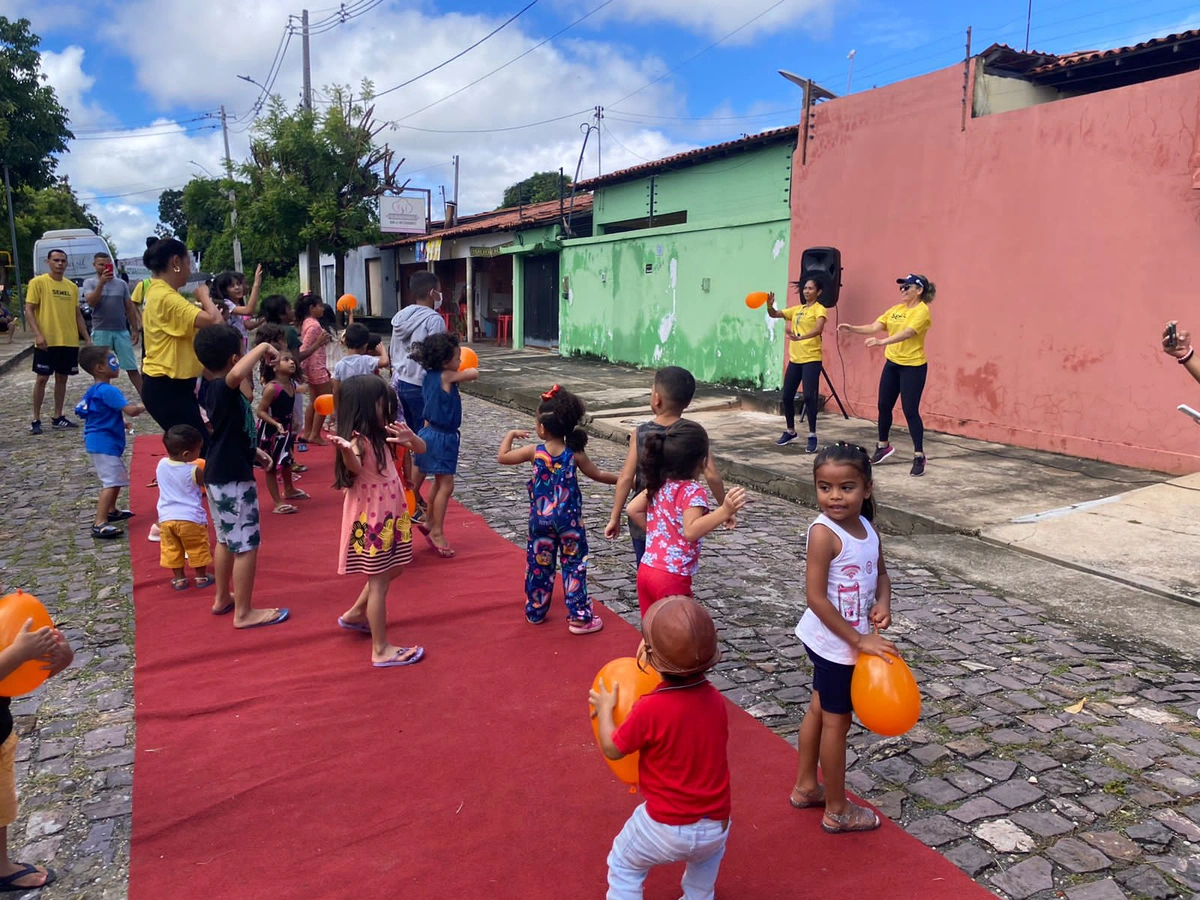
[(756, 299), (15, 610), (634, 683), (323, 404), (470, 360), (885, 698), (347, 302)]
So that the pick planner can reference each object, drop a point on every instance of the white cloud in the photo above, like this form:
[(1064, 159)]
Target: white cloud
[(199, 72), (64, 72)]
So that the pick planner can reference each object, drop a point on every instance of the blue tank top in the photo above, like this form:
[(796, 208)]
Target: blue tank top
[(554, 489)]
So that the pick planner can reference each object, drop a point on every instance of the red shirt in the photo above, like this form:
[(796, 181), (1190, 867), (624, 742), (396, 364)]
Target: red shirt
[(683, 770)]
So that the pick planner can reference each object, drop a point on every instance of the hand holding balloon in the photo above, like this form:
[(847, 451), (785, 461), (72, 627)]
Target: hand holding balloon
[(604, 702), (874, 645)]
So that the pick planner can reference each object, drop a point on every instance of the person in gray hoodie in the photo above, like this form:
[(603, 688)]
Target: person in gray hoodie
[(412, 325)]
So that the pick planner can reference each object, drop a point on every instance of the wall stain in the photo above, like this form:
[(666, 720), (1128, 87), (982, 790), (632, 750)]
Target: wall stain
[(983, 384)]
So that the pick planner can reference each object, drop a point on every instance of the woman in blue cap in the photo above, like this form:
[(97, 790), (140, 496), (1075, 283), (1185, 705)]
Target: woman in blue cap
[(905, 366)]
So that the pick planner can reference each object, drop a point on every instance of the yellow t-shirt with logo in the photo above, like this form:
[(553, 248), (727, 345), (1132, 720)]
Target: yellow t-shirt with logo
[(56, 305), (802, 320), (911, 351), (169, 322)]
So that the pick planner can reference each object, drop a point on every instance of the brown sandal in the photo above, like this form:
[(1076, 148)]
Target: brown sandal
[(856, 818), (819, 794)]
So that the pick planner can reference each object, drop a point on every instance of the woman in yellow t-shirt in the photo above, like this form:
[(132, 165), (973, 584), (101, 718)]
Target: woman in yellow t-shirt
[(905, 367), (170, 367), (805, 324)]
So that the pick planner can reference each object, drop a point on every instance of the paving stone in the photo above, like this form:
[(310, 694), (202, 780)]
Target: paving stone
[(1015, 794), (1061, 781), (969, 782), (1113, 845), (891, 804), (1174, 782), (936, 790), (1129, 757), (1147, 882), (1151, 832), (1076, 856), (1025, 878), (1097, 890), (970, 747), (1178, 824), (895, 770), (1004, 836), (969, 857), (105, 738), (929, 754), (935, 831), (996, 769), (1043, 824), (1039, 762), (1101, 804), (975, 809)]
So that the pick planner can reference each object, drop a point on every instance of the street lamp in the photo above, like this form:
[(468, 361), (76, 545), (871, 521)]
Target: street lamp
[(812, 93), (192, 162)]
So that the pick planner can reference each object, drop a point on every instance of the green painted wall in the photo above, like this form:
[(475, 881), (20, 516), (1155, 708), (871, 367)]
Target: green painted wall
[(675, 295)]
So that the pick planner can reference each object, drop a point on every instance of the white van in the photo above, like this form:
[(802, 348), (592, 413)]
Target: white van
[(81, 246)]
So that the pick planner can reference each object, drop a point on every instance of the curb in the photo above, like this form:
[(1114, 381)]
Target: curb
[(892, 519), (13, 361)]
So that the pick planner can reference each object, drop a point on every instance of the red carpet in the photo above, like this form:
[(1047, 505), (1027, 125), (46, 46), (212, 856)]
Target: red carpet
[(276, 763)]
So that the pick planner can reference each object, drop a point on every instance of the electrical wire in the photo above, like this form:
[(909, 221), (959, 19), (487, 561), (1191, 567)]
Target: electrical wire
[(199, 117), (617, 141), (145, 134), (622, 116), (541, 43), (570, 115)]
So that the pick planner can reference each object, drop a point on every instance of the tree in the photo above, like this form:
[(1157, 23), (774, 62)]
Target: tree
[(171, 219), (537, 188), (39, 211), (204, 208), (33, 125), (315, 178)]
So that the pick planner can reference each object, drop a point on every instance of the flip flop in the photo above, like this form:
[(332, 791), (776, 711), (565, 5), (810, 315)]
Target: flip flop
[(418, 653), (299, 495), (285, 509), (298, 468), (808, 804), (180, 584), (360, 627), (8, 884), (203, 581), (282, 617), (223, 610), (106, 531), (443, 552)]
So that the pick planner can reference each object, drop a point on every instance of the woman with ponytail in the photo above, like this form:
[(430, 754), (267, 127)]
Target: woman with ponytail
[(556, 528), (674, 510)]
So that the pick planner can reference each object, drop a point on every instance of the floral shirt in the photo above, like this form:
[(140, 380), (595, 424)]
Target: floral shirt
[(666, 547)]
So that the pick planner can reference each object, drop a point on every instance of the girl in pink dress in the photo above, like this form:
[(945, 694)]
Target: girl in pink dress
[(376, 536), (316, 370)]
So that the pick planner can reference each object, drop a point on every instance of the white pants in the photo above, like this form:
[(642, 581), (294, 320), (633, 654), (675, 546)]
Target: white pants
[(644, 843)]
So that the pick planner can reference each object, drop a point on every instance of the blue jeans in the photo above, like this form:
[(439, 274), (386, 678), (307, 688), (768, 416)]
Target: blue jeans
[(639, 547), (644, 843), (412, 404)]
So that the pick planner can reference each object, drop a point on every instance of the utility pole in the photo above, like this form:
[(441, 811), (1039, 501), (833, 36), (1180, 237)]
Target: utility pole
[(850, 76), (233, 216), (12, 235), (599, 148), (313, 250), (455, 181), (307, 60)]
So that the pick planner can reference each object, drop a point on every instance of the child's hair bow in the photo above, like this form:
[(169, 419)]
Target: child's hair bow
[(552, 393)]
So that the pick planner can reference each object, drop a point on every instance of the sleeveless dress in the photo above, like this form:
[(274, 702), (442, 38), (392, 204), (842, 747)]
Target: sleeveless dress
[(556, 531), (443, 417), (376, 530), (275, 443)]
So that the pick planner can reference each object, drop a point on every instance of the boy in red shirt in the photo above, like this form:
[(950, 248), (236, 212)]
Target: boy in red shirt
[(681, 730)]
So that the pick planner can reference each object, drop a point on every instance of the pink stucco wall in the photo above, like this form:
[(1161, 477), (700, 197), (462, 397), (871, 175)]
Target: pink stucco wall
[(1060, 238)]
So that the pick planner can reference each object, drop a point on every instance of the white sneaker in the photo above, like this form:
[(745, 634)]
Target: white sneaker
[(155, 535)]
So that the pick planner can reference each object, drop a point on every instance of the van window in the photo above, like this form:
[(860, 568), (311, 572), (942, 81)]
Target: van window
[(80, 253)]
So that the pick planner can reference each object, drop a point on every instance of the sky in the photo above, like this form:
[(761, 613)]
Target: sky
[(143, 80)]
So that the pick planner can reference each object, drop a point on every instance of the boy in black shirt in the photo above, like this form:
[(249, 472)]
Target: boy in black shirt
[(229, 471)]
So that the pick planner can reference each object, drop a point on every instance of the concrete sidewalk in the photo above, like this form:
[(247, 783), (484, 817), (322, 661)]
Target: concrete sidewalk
[(16, 351), (1129, 525)]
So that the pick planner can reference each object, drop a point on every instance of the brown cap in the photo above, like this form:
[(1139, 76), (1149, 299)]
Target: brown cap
[(680, 637)]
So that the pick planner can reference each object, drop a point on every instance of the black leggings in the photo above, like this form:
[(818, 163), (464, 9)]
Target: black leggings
[(808, 374), (171, 402), (906, 383)]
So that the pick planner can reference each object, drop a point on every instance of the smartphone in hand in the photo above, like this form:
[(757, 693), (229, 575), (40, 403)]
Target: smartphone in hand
[(1172, 337)]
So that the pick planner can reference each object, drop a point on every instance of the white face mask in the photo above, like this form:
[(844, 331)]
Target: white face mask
[(437, 303)]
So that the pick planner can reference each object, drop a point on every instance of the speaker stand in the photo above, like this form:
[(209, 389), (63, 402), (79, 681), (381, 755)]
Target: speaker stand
[(834, 393)]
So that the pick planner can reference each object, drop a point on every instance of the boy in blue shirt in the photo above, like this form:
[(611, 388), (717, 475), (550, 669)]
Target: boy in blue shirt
[(103, 409)]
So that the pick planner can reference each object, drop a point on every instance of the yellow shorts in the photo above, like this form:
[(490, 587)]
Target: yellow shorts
[(8, 781), (184, 537)]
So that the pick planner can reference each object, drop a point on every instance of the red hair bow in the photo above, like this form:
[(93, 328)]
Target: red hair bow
[(552, 393)]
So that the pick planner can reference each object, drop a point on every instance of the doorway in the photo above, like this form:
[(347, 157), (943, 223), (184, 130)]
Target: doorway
[(374, 286), (541, 300)]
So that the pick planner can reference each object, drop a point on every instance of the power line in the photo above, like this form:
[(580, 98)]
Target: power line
[(570, 115), (145, 134), (199, 117)]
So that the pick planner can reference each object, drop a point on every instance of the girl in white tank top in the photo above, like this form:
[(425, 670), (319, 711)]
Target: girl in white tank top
[(848, 593)]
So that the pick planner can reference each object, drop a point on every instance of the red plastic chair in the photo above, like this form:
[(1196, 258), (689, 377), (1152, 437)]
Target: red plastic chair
[(502, 326)]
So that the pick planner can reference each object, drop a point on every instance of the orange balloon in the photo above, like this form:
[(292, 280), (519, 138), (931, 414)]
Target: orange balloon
[(323, 404), (411, 499), (470, 360), (756, 299), (634, 683), (347, 302), (15, 610), (885, 698), (199, 464)]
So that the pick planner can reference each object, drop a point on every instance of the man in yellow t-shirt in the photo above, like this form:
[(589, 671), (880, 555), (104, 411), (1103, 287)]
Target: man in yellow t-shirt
[(52, 310)]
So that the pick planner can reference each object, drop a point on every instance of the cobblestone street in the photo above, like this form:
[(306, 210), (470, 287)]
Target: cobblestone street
[(1034, 801)]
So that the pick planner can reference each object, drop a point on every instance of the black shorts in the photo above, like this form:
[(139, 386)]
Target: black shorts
[(832, 681), (56, 361)]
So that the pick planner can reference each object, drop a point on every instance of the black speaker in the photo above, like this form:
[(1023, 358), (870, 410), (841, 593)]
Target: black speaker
[(825, 265)]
